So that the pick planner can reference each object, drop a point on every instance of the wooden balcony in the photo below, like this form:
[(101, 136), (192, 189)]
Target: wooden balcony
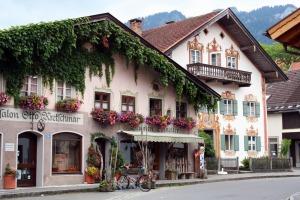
[(211, 73)]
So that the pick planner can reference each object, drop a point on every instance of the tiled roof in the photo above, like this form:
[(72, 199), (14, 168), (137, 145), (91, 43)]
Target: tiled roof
[(285, 96), (295, 66), (166, 36)]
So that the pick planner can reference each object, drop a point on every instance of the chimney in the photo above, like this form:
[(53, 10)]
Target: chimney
[(170, 22), (136, 26)]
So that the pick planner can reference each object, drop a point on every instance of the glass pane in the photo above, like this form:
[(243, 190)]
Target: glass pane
[(97, 96), (33, 89), (130, 101), (68, 93), (59, 91), (34, 81), (131, 108), (97, 104), (105, 106), (105, 97), (124, 108), (60, 84)]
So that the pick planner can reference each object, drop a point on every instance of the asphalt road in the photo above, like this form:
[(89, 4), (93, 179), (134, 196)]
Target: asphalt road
[(254, 189)]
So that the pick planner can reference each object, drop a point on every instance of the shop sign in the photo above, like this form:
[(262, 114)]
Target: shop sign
[(12, 114)]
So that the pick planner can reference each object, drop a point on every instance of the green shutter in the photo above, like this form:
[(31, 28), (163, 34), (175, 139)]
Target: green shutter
[(235, 107), (201, 109), (222, 107), (258, 143), (257, 109), (246, 143), (223, 147), (245, 109), (216, 109), (236, 143)]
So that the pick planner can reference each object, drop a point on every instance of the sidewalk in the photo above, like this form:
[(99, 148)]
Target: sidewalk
[(38, 191)]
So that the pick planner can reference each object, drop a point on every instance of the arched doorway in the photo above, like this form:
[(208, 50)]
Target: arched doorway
[(27, 159)]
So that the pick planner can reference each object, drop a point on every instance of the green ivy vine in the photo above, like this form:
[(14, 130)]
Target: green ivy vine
[(55, 50)]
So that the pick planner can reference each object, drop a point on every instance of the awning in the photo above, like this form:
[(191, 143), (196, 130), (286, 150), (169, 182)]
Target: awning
[(163, 137)]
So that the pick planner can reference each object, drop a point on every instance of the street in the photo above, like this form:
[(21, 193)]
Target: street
[(267, 189)]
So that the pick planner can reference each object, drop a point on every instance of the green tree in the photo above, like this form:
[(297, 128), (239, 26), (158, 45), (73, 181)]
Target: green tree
[(285, 147), (209, 145), (276, 52)]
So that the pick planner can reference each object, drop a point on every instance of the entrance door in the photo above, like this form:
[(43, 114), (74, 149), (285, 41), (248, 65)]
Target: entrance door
[(27, 159)]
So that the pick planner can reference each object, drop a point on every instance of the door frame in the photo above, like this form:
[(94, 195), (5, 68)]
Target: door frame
[(297, 153), (39, 155)]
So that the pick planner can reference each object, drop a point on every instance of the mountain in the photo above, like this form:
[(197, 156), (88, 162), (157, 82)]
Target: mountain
[(259, 20), (256, 21)]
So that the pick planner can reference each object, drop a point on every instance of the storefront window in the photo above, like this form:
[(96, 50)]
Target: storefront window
[(66, 153)]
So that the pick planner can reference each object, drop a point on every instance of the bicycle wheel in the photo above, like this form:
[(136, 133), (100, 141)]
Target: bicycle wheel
[(123, 182), (145, 183)]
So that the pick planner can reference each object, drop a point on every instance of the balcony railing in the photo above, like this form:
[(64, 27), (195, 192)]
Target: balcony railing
[(220, 74)]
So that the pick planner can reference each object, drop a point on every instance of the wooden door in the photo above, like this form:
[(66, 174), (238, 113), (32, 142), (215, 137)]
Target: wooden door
[(27, 160)]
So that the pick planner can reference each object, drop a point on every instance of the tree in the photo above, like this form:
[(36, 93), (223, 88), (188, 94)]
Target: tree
[(277, 53), (285, 147), (209, 145)]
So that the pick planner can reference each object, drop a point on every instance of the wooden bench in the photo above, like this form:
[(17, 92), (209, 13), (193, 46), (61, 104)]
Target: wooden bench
[(187, 175)]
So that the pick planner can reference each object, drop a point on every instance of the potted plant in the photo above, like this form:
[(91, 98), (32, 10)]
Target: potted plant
[(9, 178), (91, 173), (107, 186), (104, 118), (93, 158), (160, 121), (131, 119), (69, 105), (32, 102), (3, 98), (186, 123)]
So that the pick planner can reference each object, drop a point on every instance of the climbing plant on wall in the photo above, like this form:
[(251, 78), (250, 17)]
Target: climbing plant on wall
[(56, 50)]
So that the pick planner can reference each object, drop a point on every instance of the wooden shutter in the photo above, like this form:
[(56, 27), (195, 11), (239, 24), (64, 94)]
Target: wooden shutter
[(236, 143), (222, 107), (218, 57), (258, 143), (245, 109), (223, 146), (246, 143), (235, 107), (257, 109)]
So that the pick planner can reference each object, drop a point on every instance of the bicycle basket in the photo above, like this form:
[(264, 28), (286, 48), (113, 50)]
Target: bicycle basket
[(123, 170)]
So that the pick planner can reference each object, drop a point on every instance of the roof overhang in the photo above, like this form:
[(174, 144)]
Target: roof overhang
[(163, 137), (287, 31)]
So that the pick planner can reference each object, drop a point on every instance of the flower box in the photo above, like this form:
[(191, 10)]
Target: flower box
[(104, 118), (186, 123), (3, 98), (131, 119), (68, 105), (33, 102), (9, 178), (160, 121)]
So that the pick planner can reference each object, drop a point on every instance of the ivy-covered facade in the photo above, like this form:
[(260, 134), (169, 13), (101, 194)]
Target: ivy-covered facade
[(57, 76)]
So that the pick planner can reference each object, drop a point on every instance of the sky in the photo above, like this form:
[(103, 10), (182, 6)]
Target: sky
[(22, 12)]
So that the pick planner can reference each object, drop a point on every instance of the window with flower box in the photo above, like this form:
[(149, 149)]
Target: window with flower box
[(128, 104), (102, 100), (181, 110), (32, 85), (66, 153), (155, 106)]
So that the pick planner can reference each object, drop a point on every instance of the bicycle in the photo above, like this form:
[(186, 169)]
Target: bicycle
[(143, 181)]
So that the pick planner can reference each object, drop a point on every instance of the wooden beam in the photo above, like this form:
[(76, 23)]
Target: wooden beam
[(249, 47)]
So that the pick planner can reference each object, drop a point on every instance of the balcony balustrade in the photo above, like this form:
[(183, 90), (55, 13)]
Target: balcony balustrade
[(211, 73)]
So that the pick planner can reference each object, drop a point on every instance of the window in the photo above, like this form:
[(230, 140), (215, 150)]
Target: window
[(195, 56), (181, 110), (30, 85), (128, 103), (251, 109), (1, 82), (216, 59), (155, 107), (66, 153), (102, 100), (229, 142), (63, 90), (228, 107), (231, 62), (252, 143)]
